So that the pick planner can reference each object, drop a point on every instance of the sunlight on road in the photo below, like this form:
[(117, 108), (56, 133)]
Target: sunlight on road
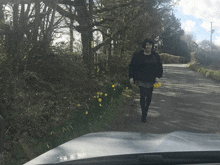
[(153, 113)]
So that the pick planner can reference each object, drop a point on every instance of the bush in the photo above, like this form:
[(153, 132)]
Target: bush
[(215, 75), (118, 67), (209, 59), (171, 59)]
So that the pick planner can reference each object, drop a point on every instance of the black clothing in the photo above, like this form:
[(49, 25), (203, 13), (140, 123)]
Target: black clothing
[(145, 99), (145, 67)]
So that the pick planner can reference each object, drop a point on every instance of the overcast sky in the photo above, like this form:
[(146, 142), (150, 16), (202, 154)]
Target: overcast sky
[(196, 16)]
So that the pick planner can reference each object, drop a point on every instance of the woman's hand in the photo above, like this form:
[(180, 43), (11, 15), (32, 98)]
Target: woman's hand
[(131, 80)]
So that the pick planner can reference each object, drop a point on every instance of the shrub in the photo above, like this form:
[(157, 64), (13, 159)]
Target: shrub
[(171, 59), (209, 59)]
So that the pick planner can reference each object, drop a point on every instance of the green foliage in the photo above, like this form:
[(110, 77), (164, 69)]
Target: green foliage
[(172, 43), (171, 59), (46, 97), (213, 74), (209, 59), (130, 22)]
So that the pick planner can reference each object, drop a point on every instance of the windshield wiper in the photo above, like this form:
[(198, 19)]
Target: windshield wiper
[(152, 158)]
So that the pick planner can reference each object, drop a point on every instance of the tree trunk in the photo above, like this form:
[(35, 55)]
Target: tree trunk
[(91, 54), (109, 52), (71, 31), (85, 22), (1, 12), (36, 22), (85, 48), (50, 29), (15, 17), (13, 50), (105, 46)]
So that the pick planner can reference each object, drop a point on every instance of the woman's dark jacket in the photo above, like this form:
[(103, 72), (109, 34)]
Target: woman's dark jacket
[(145, 67)]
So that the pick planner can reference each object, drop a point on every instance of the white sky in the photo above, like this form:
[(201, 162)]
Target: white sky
[(199, 14), (188, 26)]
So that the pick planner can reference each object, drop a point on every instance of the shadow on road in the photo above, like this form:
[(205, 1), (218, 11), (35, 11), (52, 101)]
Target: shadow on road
[(187, 101)]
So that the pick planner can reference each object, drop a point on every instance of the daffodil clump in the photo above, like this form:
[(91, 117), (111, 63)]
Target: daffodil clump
[(157, 85), (96, 108), (99, 102)]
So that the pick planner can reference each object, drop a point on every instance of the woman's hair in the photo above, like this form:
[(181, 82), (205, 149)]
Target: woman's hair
[(148, 40)]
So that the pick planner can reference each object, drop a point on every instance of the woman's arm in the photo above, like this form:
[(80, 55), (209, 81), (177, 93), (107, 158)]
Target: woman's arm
[(132, 67), (159, 67)]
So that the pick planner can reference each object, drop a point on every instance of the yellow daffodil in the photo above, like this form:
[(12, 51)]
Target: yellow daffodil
[(87, 112), (89, 98), (126, 87), (113, 86), (101, 93), (97, 93), (94, 96), (100, 100), (100, 105), (114, 89), (159, 84), (100, 116), (78, 105), (106, 94)]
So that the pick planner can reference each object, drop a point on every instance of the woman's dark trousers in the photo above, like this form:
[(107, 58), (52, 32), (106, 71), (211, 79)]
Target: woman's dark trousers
[(145, 100)]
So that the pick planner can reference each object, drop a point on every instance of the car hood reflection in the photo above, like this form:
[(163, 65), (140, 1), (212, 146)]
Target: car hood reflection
[(119, 143)]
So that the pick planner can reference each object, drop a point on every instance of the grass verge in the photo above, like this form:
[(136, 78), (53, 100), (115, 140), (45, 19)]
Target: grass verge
[(81, 123), (213, 74)]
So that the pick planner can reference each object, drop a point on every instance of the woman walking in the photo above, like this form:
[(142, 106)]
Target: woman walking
[(145, 68)]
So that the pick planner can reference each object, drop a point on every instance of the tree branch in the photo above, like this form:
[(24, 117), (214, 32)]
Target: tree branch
[(115, 7)]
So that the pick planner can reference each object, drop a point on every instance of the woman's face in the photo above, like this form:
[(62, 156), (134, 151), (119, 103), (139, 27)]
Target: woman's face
[(148, 46)]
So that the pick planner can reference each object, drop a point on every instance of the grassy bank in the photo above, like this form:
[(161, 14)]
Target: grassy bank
[(99, 114), (213, 74)]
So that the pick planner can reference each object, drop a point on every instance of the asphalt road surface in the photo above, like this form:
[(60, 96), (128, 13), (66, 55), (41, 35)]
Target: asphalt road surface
[(186, 101)]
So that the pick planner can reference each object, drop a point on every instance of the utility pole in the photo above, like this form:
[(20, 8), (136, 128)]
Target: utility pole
[(211, 38), (212, 31)]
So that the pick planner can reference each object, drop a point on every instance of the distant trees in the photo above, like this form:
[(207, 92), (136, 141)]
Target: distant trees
[(171, 36), (206, 45), (189, 39), (123, 25)]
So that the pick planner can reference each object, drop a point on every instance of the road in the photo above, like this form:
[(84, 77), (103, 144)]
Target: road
[(186, 101)]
